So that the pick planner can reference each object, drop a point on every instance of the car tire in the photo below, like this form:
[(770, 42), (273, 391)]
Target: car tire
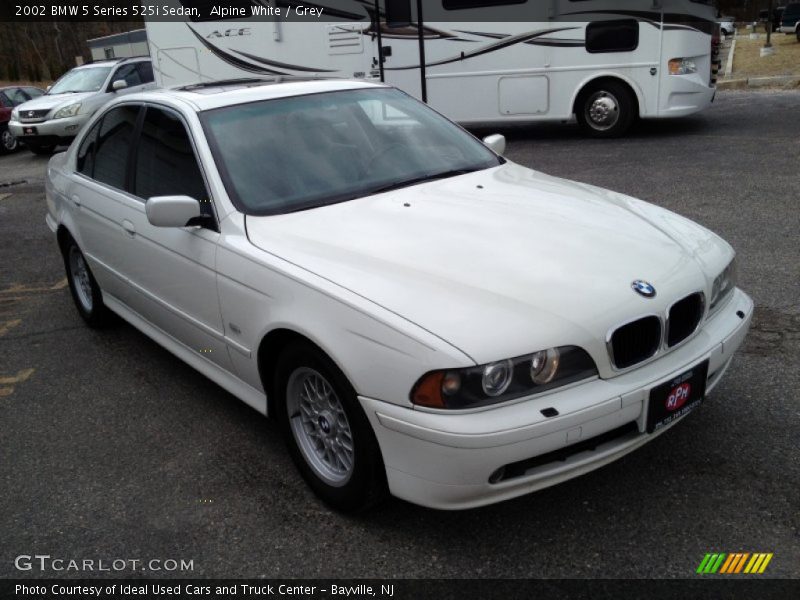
[(85, 292), (8, 143), (606, 109), (43, 150), (327, 433)]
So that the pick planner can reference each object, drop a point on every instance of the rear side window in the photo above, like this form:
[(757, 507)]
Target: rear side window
[(114, 144), (165, 160), (85, 158), (612, 36)]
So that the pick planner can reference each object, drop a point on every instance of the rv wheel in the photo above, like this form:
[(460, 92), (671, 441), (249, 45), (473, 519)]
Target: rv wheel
[(606, 109)]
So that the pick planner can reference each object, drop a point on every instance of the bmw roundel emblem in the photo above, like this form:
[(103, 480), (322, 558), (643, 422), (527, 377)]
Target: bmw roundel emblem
[(643, 288)]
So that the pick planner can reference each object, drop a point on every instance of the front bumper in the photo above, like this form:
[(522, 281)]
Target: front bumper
[(51, 132), (683, 95), (446, 460)]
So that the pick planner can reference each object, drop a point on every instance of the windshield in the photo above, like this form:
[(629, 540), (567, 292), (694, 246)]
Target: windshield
[(81, 80), (290, 154)]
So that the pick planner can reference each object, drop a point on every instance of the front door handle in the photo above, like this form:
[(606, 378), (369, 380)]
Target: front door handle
[(129, 228), (76, 199)]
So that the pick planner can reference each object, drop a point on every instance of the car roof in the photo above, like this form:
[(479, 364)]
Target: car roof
[(210, 95)]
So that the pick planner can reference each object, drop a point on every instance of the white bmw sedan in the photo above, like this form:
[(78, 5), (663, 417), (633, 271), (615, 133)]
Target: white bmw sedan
[(419, 314)]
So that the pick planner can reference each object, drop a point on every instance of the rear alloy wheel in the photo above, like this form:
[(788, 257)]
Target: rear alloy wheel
[(606, 109), (84, 289), (8, 143), (328, 435)]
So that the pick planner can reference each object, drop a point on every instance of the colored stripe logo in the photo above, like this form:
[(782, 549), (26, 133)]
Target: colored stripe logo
[(734, 563)]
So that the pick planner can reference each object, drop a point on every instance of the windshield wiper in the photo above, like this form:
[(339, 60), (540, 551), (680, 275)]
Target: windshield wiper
[(431, 177)]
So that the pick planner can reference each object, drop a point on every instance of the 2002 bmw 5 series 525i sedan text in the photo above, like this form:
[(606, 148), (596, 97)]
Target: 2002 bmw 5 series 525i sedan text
[(420, 314)]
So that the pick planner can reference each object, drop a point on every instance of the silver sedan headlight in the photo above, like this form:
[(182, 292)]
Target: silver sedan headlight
[(504, 379), (67, 111), (723, 285), (15, 115)]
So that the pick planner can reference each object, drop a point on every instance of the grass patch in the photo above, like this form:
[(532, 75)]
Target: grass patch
[(747, 61)]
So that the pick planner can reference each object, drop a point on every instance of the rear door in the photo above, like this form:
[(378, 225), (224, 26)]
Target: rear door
[(99, 197)]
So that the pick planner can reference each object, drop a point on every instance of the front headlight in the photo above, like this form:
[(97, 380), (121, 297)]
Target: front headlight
[(68, 111), (723, 284), (682, 66), (15, 115), (503, 380)]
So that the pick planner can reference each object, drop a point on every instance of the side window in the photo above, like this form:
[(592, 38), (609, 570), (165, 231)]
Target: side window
[(5, 102), (165, 161), (129, 73), (85, 158), (145, 71), (114, 144), (612, 36)]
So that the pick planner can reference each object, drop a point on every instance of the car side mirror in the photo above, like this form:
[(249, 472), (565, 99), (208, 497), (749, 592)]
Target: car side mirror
[(496, 142), (119, 84), (48, 88), (172, 211)]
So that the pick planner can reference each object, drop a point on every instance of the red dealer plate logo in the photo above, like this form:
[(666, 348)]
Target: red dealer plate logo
[(678, 396)]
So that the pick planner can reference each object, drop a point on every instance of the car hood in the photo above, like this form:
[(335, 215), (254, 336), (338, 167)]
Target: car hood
[(502, 262), (47, 101)]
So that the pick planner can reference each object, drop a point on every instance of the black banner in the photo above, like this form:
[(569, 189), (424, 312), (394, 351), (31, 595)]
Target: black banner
[(733, 587), (347, 10)]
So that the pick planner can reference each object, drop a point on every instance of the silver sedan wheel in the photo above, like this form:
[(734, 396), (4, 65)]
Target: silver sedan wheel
[(80, 278), (8, 141), (320, 426), (602, 110)]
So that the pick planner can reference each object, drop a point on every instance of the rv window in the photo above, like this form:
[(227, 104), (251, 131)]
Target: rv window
[(466, 4), (165, 160), (612, 36), (114, 144)]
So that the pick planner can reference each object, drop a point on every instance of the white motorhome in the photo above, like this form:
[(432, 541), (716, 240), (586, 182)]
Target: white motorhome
[(477, 61)]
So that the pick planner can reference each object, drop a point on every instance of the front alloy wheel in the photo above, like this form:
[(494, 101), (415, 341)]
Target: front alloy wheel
[(8, 143), (328, 435), (320, 426)]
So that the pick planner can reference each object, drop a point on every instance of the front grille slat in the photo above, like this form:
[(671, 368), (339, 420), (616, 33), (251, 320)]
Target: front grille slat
[(33, 115), (635, 342), (684, 317)]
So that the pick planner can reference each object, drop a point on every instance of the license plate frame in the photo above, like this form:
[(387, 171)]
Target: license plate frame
[(672, 399)]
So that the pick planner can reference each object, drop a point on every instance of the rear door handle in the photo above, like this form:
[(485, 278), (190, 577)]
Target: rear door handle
[(76, 200), (129, 228)]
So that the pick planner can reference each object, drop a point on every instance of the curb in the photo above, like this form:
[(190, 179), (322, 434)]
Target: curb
[(785, 81)]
